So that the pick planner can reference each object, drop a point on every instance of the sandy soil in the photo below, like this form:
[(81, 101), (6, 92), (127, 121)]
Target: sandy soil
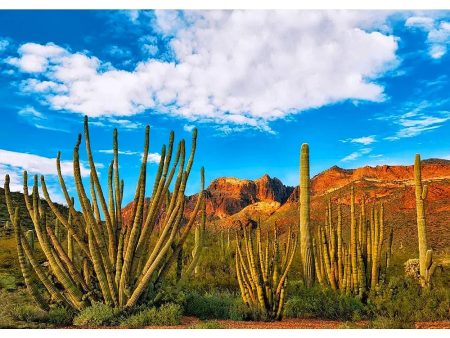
[(296, 323), (293, 324)]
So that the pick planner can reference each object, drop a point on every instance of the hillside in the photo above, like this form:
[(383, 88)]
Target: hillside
[(268, 199)]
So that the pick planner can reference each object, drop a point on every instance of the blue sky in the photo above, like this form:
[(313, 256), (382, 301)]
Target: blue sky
[(362, 88)]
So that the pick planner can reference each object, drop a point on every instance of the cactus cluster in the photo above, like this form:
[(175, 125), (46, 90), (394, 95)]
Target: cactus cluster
[(105, 259), (262, 271), (356, 267)]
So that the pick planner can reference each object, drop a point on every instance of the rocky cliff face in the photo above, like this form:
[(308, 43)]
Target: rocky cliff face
[(227, 196), (229, 199)]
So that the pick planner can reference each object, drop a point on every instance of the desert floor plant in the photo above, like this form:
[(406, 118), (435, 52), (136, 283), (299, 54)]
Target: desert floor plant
[(104, 259)]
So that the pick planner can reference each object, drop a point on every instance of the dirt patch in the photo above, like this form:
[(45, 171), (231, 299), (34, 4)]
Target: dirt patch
[(433, 325)]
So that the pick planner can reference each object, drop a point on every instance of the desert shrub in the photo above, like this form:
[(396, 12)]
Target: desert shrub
[(28, 313), (95, 315), (389, 323), (403, 300), (167, 314), (215, 305), (60, 316), (318, 302), (7, 281), (412, 269), (212, 324)]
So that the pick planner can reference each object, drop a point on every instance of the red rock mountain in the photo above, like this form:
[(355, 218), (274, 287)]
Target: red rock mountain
[(268, 199)]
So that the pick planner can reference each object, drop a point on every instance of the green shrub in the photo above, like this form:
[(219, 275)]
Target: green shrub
[(389, 323), (95, 315), (403, 300), (217, 305), (167, 314), (7, 281), (28, 313), (60, 316), (318, 302), (207, 325)]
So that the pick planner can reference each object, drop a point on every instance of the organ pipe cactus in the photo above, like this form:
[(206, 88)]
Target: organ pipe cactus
[(306, 248), (262, 270), (107, 259), (354, 267)]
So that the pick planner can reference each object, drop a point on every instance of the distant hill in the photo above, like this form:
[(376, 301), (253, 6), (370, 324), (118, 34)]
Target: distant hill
[(268, 199)]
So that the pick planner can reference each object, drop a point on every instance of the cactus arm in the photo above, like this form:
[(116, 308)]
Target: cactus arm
[(353, 253), (61, 218), (101, 197)]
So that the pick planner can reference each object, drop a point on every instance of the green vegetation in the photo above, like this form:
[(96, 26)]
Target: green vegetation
[(60, 267), (107, 261), (97, 314), (263, 270), (324, 303), (216, 305), (168, 314), (207, 325)]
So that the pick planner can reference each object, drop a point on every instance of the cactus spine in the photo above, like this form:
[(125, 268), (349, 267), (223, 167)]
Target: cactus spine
[(262, 271), (104, 260), (306, 250)]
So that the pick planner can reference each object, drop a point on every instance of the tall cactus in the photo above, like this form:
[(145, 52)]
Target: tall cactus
[(262, 271), (306, 249), (354, 267), (107, 260), (426, 267)]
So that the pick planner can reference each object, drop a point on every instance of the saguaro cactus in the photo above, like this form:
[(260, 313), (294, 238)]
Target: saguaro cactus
[(306, 248), (426, 266), (262, 271), (109, 261)]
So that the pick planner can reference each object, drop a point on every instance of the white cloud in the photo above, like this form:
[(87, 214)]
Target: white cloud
[(35, 58), (188, 128), (38, 164), (120, 152), (415, 122), (234, 68), (154, 158), (356, 154), (37, 119), (31, 112), (365, 140), (16, 183), (438, 34), (122, 123), (4, 43), (119, 52)]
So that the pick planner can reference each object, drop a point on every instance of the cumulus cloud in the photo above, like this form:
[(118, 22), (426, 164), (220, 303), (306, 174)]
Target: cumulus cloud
[(234, 68), (36, 164), (438, 34), (365, 140), (356, 154), (35, 58)]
